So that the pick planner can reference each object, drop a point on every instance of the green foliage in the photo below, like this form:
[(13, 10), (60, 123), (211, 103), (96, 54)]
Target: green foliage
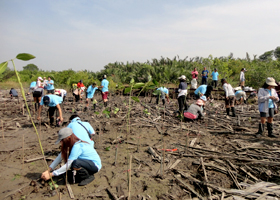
[(107, 113), (53, 186), (3, 67), (108, 148), (135, 99), (31, 67), (116, 110)]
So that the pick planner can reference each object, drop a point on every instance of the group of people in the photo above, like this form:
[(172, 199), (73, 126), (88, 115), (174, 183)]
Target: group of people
[(54, 97)]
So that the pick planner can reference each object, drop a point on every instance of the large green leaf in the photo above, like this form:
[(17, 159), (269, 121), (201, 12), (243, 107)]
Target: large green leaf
[(135, 99), (127, 90), (138, 85), (155, 82), (25, 56), (3, 66), (157, 92)]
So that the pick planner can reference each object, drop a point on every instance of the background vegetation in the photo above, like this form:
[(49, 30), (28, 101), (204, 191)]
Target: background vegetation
[(163, 70)]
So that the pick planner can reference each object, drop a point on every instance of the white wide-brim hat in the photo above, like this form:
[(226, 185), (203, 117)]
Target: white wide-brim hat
[(270, 81), (183, 77)]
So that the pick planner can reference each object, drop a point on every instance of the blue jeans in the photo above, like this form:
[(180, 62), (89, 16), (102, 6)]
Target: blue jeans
[(86, 164)]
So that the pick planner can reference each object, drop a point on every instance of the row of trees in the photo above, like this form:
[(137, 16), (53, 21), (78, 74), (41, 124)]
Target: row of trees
[(164, 70)]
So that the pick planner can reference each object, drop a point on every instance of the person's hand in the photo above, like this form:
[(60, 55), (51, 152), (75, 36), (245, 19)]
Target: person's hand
[(61, 119), (272, 97), (38, 117), (46, 175), (227, 98)]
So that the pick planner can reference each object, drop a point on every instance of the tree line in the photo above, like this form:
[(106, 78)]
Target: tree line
[(163, 70)]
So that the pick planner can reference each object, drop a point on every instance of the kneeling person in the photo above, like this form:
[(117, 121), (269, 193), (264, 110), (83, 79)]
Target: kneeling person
[(53, 102), (195, 110), (83, 158)]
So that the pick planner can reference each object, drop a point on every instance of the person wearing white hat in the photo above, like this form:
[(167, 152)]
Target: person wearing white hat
[(38, 82), (183, 86), (195, 110), (267, 98), (82, 158)]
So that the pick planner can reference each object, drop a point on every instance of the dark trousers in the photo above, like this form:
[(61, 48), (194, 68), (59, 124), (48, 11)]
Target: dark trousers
[(182, 103), (51, 113), (204, 81), (86, 164), (50, 91), (214, 83)]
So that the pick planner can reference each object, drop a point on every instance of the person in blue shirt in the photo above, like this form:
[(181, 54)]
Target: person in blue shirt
[(203, 90), (78, 155), (90, 93), (82, 130), (50, 86), (163, 92), (31, 87), (240, 95), (215, 77), (105, 90), (53, 102), (204, 76)]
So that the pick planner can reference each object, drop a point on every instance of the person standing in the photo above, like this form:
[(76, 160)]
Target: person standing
[(215, 78), (204, 75), (90, 94), (194, 78), (105, 90), (267, 98), (163, 91), (242, 78), (229, 97), (82, 158), (183, 91), (53, 102), (50, 86)]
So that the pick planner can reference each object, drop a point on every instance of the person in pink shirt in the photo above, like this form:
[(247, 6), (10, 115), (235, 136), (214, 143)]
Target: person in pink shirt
[(194, 73)]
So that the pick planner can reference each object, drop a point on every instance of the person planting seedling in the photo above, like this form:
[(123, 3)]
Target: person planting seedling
[(53, 102), (195, 111), (203, 90), (60, 92), (90, 93), (82, 159), (13, 93)]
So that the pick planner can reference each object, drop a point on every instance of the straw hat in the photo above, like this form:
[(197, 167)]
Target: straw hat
[(270, 81)]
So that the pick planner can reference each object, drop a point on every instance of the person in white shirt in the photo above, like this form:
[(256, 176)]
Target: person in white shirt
[(242, 78), (229, 97)]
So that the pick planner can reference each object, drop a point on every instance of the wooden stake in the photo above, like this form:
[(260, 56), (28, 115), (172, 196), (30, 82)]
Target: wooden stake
[(206, 178), (3, 129), (129, 185), (22, 151)]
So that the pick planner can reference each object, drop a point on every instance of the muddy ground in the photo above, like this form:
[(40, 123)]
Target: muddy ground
[(212, 158)]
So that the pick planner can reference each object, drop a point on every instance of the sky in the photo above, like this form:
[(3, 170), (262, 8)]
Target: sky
[(89, 34)]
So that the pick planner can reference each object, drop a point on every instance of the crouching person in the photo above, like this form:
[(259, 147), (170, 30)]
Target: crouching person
[(82, 158), (53, 102), (195, 110), (267, 98)]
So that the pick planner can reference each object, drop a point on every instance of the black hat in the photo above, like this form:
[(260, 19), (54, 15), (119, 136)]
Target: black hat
[(46, 100), (81, 80)]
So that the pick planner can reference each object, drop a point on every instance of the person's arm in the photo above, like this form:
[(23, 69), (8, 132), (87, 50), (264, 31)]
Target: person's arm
[(274, 94), (263, 96), (47, 174), (226, 90), (167, 97), (60, 112)]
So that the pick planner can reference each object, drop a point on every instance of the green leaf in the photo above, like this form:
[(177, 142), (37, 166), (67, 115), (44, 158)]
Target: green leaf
[(97, 113), (108, 148), (116, 110), (135, 99), (127, 90), (132, 81), (3, 66), (157, 92), (138, 85), (106, 112), (151, 87), (155, 82), (25, 56)]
